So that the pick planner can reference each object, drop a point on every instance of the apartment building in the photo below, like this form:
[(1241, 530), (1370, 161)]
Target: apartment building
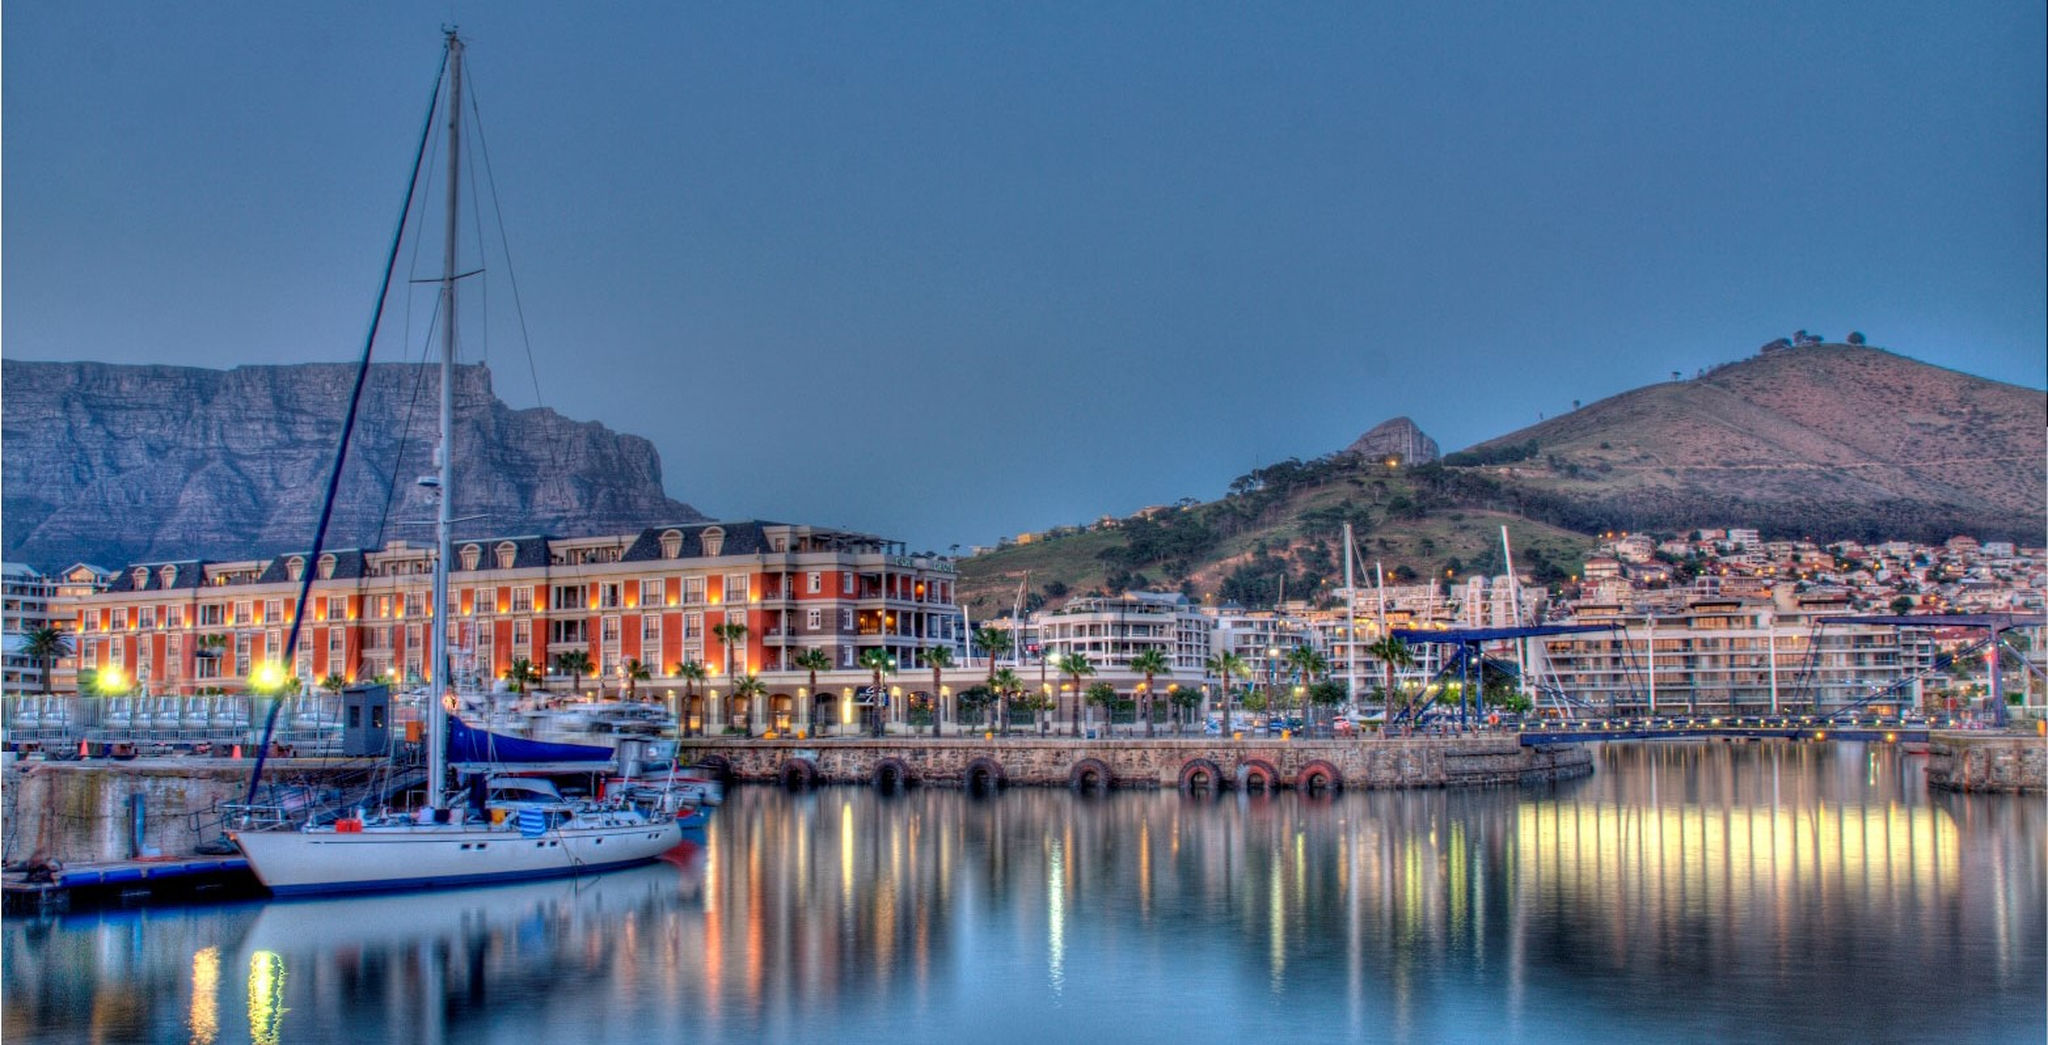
[(1111, 630)]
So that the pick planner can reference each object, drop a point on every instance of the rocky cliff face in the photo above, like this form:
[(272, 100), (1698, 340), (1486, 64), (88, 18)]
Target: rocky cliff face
[(1397, 439), (118, 464)]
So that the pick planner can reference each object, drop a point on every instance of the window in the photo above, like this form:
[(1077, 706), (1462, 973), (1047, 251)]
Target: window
[(693, 626), (813, 620), (273, 611), (814, 582), (295, 567), (522, 635), (336, 638), (570, 632), (169, 575), (735, 587), (507, 553), (522, 599), (846, 584), (380, 607), (244, 613), (650, 632), (148, 618), (672, 544), (210, 615), (471, 555), (693, 591), (846, 620), (610, 630), (608, 596), (566, 597), (140, 578), (714, 540), (652, 592), (325, 569)]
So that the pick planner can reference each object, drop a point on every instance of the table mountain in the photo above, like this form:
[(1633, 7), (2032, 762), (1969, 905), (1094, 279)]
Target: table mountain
[(114, 464)]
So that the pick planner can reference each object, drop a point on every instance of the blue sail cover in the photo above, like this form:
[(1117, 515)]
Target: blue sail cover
[(470, 745)]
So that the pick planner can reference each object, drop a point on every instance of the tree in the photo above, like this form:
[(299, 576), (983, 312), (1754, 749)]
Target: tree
[(937, 658), (1104, 695), (880, 662), (731, 633), (333, 684), (692, 672), (1902, 605), (521, 675), (813, 660), (751, 689), (1310, 665), (1855, 337), (1393, 654), (46, 646), (1151, 663), (1183, 702), (996, 642), (975, 698), (635, 673), (575, 664), (1227, 665), (1074, 666), (1007, 685)]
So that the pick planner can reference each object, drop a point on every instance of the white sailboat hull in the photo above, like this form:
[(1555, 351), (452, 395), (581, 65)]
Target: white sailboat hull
[(416, 856)]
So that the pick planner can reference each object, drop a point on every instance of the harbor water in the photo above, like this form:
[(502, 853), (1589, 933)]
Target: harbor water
[(1685, 891)]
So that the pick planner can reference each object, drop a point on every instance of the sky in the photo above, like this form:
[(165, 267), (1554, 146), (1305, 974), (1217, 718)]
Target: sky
[(949, 272)]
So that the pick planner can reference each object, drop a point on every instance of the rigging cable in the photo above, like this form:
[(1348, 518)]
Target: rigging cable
[(311, 570)]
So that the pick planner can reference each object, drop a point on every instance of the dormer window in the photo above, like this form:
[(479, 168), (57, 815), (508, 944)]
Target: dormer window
[(141, 577), (169, 574), (714, 541), (507, 552), (295, 567), (326, 567), (471, 555), (672, 544)]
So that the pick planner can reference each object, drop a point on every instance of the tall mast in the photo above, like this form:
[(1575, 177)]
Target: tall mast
[(1350, 626), (437, 689)]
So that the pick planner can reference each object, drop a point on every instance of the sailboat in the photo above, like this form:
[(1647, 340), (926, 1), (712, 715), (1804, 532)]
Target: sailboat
[(538, 834)]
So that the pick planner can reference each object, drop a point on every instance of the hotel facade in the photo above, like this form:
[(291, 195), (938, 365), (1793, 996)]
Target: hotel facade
[(655, 598)]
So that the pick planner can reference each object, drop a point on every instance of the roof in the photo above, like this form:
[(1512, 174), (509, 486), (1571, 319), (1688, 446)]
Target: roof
[(1463, 636)]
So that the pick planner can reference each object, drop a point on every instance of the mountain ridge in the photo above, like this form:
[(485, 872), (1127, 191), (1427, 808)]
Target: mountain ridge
[(231, 464)]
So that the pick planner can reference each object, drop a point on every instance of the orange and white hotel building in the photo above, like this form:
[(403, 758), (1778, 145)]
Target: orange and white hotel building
[(656, 597)]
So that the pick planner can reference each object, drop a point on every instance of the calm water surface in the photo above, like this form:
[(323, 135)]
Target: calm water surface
[(1684, 892)]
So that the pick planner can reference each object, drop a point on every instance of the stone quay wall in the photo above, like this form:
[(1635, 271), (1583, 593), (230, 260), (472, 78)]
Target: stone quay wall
[(1988, 762), (78, 812), (1125, 762)]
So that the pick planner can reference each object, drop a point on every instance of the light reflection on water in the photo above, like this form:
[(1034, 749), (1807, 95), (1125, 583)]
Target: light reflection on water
[(1686, 891)]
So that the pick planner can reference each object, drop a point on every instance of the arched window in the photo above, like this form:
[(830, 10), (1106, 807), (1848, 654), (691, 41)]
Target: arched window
[(141, 577), (471, 555), (295, 567), (672, 544), (507, 554), (169, 575), (714, 540), (326, 567)]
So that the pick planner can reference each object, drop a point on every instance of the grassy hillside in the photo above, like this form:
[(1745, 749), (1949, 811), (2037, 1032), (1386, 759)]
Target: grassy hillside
[(1284, 521), (1821, 440)]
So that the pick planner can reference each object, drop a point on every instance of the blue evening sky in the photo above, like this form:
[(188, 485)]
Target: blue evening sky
[(952, 271)]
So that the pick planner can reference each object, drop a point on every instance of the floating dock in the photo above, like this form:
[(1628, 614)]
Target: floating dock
[(119, 880)]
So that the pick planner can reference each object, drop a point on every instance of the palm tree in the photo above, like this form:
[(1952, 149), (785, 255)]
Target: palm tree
[(731, 633), (692, 672), (521, 675), (749, 688), (1074, 666), (46, 646), (575, 664), (1393, 653), (880, 662), (813, 660), (1311, 665), (1006, 684), (937, 658), (333, 684), (635, 673), (997, 642), (1227, 665), (1151, 664)]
